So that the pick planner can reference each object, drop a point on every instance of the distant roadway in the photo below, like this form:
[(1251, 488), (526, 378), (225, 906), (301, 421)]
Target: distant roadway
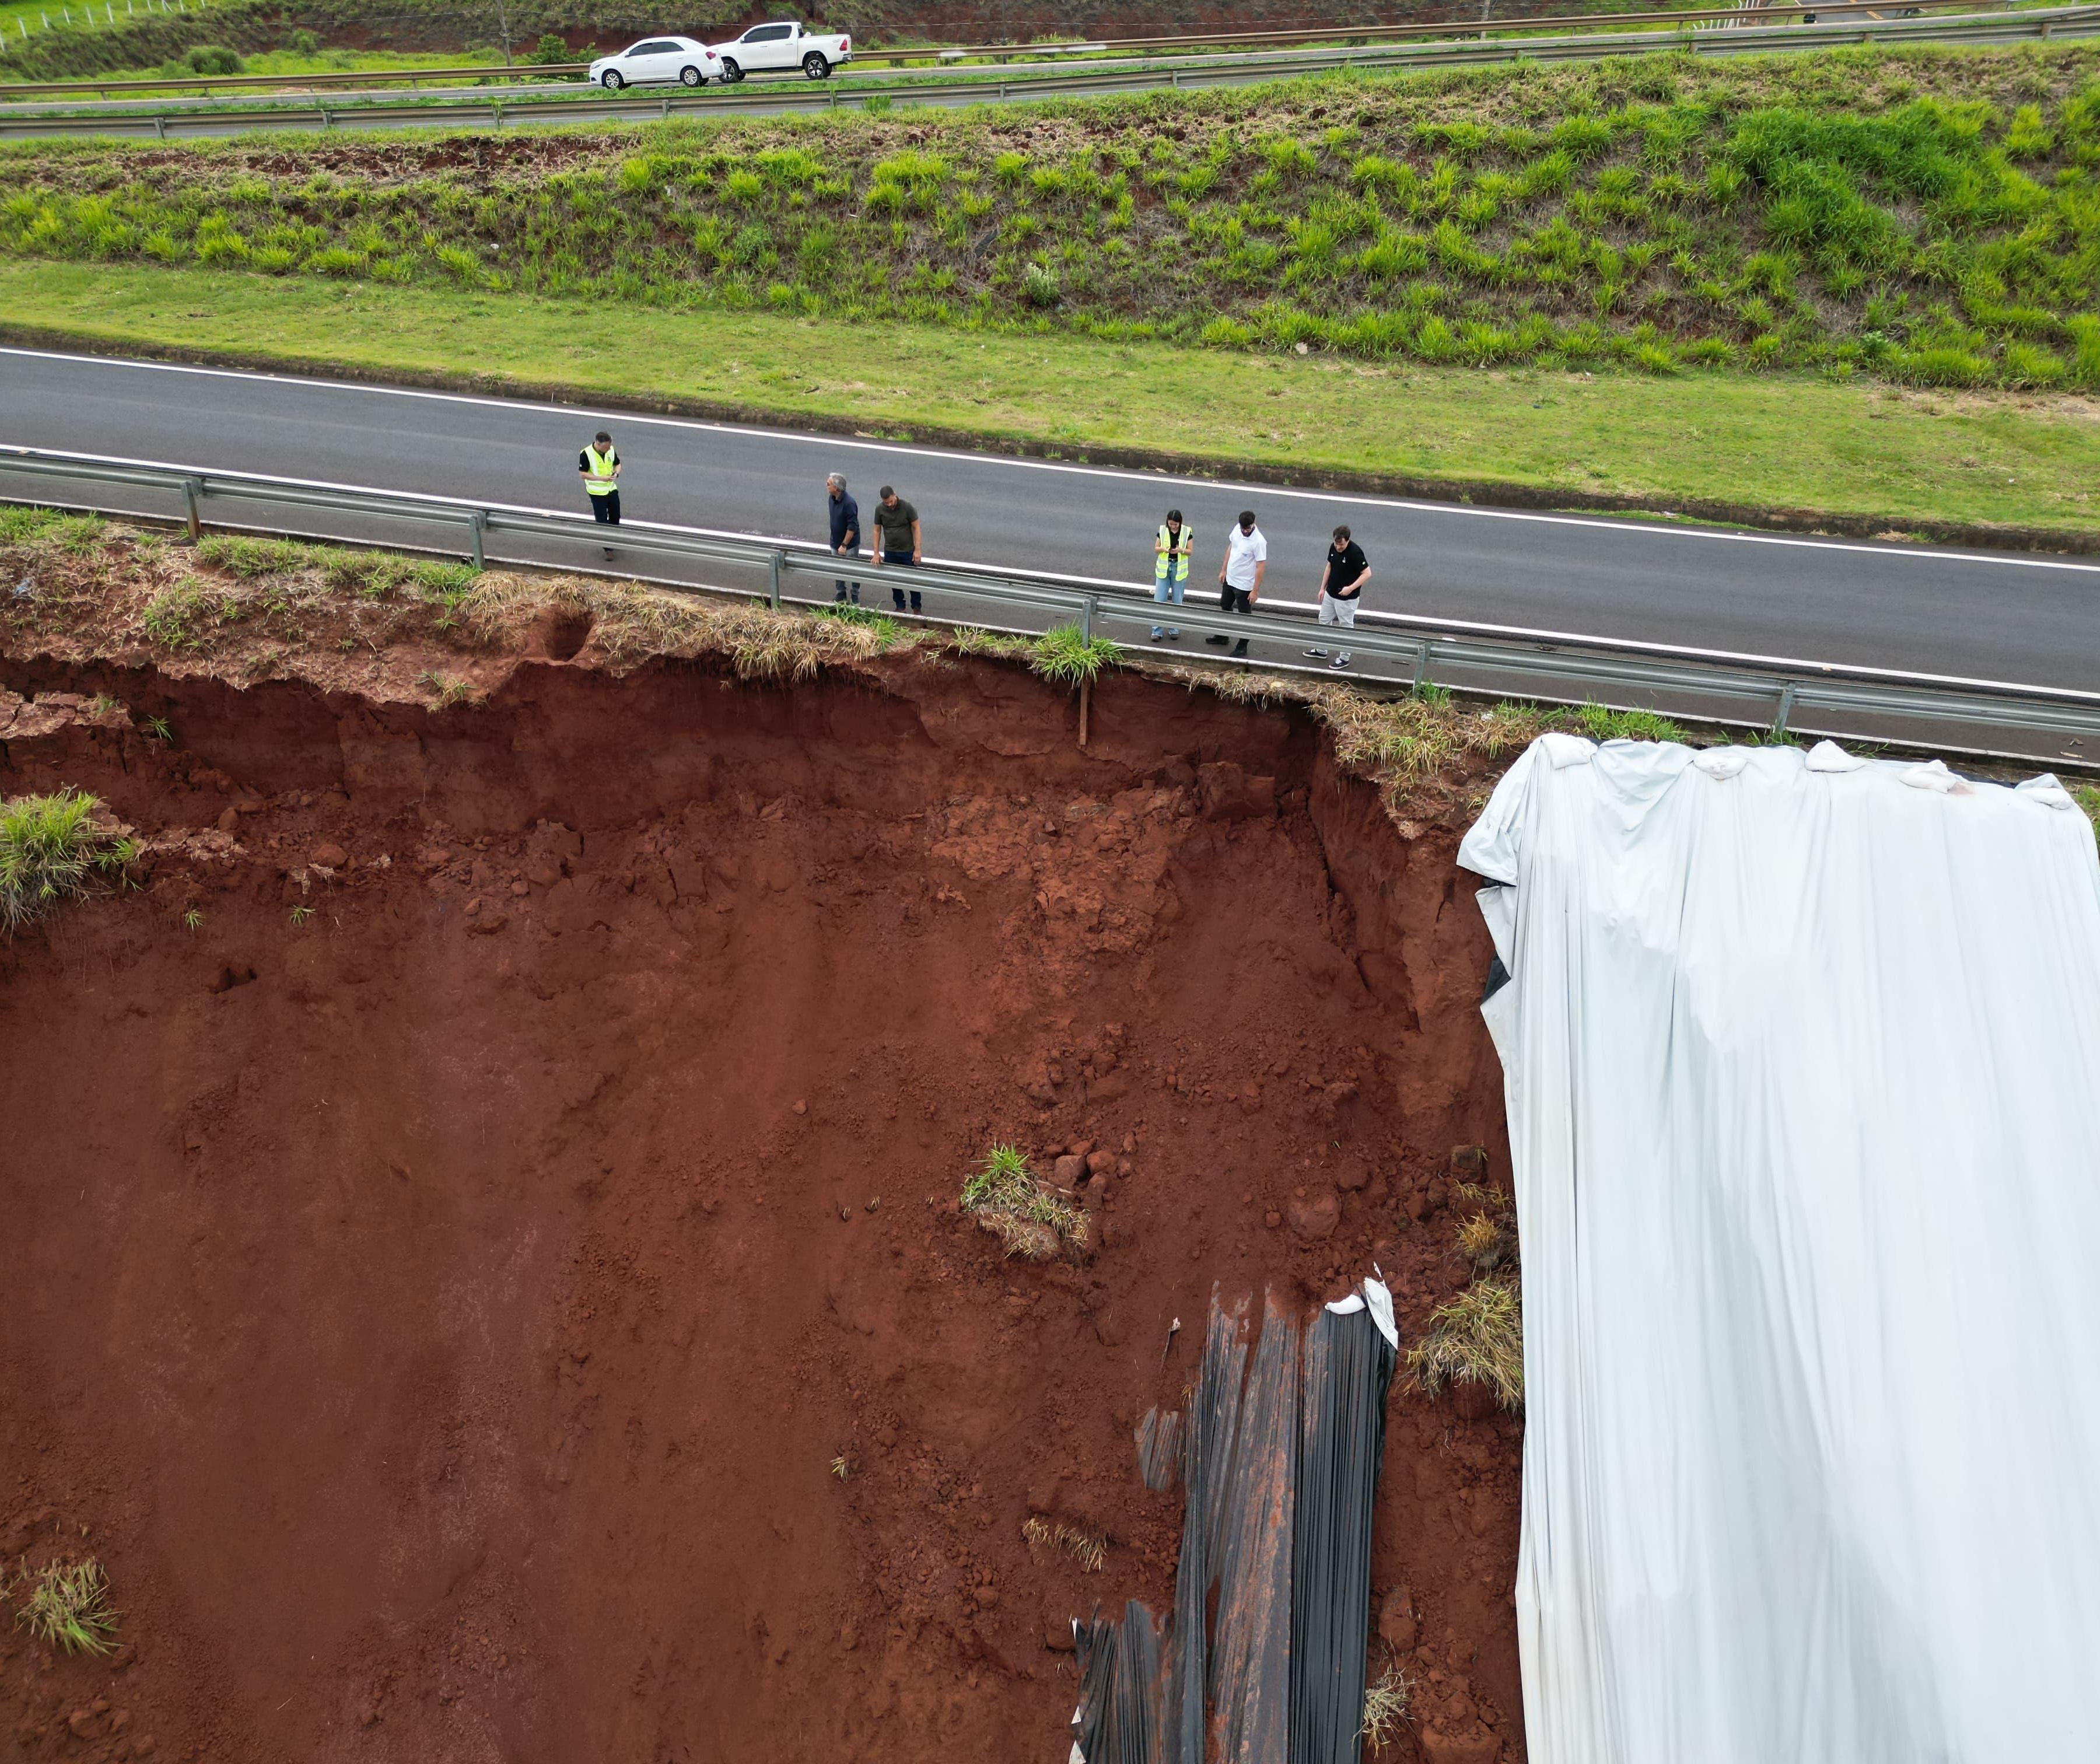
[(2033, 620)]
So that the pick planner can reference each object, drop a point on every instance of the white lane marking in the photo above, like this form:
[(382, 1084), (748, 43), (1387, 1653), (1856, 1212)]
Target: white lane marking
[(1647, 529), (820, 561)]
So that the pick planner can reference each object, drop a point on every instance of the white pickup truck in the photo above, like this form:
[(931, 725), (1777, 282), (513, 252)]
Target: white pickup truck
[(779, 44)]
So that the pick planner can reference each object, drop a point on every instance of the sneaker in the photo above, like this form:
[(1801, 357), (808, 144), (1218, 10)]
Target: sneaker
[(839, 597), (1218, 641), (1172, 635), (1319, 652), (608, 554), (1341, 660), (1240, 647), (1158, 636)]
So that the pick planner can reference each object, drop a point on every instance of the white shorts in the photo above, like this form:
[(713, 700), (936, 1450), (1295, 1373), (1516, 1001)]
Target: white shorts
[(1334, 611)]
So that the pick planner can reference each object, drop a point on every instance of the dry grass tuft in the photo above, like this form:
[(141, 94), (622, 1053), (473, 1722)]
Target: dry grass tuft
[(1006, 1198), (1385, 1707), (1483, 1242), (1089, 1548), (66, 1605), (1487, 1238), (1476, 1338)]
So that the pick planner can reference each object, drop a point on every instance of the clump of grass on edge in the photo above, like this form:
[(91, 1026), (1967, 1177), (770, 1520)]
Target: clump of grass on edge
[(1006, 1198), (1476, 1338), (177, 616), (2087, 796), (1089, 1548), (972, 640), (66, 1605), (1601, 724), (50, 850), (886, 629), (1065, 657)]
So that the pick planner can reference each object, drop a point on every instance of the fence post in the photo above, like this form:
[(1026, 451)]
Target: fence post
[(477, 525), (773, 563), (1785, 708), (192, 497)]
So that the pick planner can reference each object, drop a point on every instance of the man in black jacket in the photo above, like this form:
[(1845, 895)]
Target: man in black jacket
[(845, 530)]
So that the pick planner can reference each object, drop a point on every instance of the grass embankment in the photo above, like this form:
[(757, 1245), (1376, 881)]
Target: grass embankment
[(144, 40), (1850, 451), (1928, 217)]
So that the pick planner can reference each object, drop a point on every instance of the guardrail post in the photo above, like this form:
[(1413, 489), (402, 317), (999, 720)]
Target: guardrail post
[(192, 497), (477, 524), (1785, 708), (1086, 609), (160, 128), (773, 580), (1421, 669)]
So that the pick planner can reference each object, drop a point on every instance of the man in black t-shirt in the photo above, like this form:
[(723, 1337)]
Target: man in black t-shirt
[(1341, 588)]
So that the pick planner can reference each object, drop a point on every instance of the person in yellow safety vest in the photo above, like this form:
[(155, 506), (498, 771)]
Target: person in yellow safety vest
[(1170, 568), (599, 464)]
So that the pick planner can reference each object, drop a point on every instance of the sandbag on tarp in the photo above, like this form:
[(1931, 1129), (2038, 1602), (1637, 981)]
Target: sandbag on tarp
[(1349, 1355), (1799, 1053)]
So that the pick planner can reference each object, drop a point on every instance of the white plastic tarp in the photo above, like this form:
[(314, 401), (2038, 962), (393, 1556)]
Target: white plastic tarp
[(1801, 1054)]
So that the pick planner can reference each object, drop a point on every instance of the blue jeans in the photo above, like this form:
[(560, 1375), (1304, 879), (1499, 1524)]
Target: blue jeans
[(1168, 594)]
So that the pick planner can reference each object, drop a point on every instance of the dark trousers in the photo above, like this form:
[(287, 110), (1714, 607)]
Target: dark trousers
[(839, 592), (606, 508), (1231, 599), (896, 594)]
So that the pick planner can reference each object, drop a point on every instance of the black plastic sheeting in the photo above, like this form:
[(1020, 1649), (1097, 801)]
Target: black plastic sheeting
[(1159, 1447), (1341, 1448), (1119, 1688), (1262, 1660)]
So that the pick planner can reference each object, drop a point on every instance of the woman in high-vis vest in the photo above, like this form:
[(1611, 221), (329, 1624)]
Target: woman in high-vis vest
[(1170, 566), (599, 464)]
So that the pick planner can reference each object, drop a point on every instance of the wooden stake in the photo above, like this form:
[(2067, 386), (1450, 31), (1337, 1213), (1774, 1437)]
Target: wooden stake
[(1086, 690)]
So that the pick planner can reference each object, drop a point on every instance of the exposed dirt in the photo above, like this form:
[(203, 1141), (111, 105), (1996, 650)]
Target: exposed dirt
[(465, 1209)]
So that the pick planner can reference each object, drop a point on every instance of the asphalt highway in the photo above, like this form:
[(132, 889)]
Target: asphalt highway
[(2028, 618)]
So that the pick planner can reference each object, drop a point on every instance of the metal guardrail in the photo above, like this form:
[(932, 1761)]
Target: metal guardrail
[(1754, 691), (501, 108)]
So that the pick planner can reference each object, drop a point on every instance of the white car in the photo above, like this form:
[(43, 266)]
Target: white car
[(765, 47), (659, 61)]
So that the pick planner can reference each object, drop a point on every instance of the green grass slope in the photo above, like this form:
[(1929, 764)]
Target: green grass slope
[(1930, 217)]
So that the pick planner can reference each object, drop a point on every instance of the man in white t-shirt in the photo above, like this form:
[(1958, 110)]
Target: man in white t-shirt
[(1239, 576)]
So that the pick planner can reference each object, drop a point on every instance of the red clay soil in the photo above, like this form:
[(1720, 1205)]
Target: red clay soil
[(443, 1312)]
